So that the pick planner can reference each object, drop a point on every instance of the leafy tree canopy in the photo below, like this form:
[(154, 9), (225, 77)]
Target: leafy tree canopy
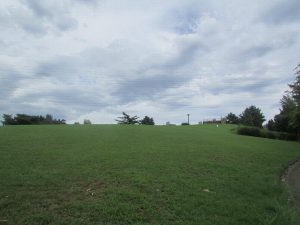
[(288, 120), (232, 118), (295, 92), (282, 121), (252, 116), (87, 122), (147, 121), (127, 119), (24, 119)]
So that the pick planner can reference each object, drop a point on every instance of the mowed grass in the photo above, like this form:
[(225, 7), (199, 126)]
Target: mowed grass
[(109, 174)]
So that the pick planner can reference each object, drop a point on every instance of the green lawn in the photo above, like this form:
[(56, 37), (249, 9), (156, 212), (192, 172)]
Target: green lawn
[(109, 174)]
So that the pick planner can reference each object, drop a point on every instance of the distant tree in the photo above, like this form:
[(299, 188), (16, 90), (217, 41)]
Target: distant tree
[(295, 87), (295, 92), (49, 118), (8, 120), (147, 121), (288, 104), (24, 119), (127, 119), (232, 118), (271, 125), (59, 121), (288, 119), (252, 116), (282, 121), (87, 122)]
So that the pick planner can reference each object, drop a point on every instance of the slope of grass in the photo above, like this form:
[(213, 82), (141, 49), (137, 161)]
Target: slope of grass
[(108, 174)]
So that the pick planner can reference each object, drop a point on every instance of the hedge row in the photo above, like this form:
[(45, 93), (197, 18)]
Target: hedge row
[(256, 132)]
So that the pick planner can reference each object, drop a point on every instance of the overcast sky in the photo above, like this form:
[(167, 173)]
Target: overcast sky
[(78, 59)]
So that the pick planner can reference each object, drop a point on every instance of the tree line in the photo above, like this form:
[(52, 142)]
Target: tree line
[(288, 118), (251, 116), (127, 119), (24, 119)]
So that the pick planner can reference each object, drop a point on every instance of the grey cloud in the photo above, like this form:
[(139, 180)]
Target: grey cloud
[(31, 26), (71, 87), (255, 52), (62, 67), (64, 23), (57, 14), (20, 17), (283, 12), (147, 88), (3, 44), (73, 98), (254, 85), (168, 75), (152, 67), (89, 2), (90, 62), (59, 102), (10, 81), (186, 56), (40, 17), (8, 85), (40, 9), (184, 19), (173, 105)]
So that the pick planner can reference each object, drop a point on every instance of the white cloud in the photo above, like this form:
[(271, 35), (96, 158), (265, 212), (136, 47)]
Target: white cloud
[(94, 59)]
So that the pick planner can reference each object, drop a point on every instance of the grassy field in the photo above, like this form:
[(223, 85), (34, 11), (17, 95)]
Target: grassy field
[(108, 174)]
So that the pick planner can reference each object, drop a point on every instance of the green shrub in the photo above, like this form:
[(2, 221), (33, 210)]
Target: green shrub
[(249, 131), (256, 132), (270, 134), (287, 136)]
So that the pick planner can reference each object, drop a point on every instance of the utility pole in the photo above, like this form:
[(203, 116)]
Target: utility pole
[(188, 118)]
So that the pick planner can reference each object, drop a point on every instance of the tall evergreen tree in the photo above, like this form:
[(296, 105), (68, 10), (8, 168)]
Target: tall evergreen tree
[(24, 119), (288, 120), (283, 119), (147, 121), (127, 119), (232, 118), (8, 120), (252, 116), (295, 92)]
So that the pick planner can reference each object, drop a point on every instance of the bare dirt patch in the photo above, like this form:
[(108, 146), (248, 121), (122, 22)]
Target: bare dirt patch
[(292, 177), (54, 198)]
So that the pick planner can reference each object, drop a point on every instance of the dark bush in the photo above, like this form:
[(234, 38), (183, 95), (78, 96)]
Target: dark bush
[(287, 136), (256, 132), (249, 131), (185, 124), (24, 119), (271, 135)]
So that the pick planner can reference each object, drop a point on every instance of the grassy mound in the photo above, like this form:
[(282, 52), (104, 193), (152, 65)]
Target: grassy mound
[(108, 174)]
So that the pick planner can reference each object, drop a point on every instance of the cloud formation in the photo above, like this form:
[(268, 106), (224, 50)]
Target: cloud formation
[(94, 59), (283, 12)]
